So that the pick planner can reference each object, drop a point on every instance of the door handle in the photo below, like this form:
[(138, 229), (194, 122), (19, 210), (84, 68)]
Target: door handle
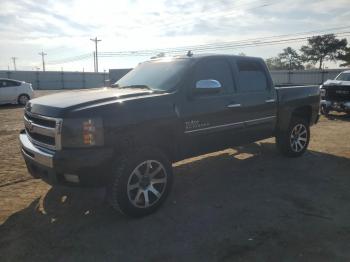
[(270, 101), (234, 105)]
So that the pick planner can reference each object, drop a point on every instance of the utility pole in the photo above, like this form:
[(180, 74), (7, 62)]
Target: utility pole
[(94, 61), (43, 59), (96, 54), (14, 62)]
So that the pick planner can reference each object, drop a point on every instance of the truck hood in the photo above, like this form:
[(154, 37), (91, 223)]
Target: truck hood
[(54, 105), (336, 83)]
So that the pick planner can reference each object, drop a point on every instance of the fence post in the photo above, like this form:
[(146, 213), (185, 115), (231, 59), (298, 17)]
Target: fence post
[(104, 77), (62, 79), (322, 76), (289, 78), (37, 79), (83, 79)]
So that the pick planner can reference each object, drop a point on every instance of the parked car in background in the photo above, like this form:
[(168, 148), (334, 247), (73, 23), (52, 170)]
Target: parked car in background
[(335, 94), (15, 92)]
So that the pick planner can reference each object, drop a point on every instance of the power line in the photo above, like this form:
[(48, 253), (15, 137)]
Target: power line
[(14, 62), (43, 59), (96, 54), (212, 46), (70, 59), (218, 46)]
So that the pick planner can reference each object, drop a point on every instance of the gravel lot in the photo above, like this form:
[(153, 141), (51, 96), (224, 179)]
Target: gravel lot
[(242, 204)]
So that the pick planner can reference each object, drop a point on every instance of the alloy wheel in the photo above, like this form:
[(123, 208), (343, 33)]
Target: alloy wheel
[(147, 184), (298, 138)]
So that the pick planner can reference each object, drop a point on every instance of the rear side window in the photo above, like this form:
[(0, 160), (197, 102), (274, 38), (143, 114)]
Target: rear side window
[(217, 69), (251, 76), (9, 83), (13, 83)]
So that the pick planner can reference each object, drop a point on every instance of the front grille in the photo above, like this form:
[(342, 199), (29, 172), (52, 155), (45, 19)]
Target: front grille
[(41, 138), (43, 131), (338, 93), (41, 121)]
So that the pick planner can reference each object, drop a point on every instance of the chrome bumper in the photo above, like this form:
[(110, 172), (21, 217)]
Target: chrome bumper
[(35, 154), (336, 105)]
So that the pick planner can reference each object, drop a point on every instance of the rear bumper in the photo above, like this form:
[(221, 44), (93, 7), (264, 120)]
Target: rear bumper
[(79, 167)]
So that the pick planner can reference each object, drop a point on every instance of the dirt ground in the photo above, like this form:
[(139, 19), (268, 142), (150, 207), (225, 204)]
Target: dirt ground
[(242, 204)]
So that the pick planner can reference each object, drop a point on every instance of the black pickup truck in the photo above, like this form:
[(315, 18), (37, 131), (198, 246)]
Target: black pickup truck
[(164, 110)]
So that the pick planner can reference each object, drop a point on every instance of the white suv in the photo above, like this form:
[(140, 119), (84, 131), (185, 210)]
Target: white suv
[(13, 91)]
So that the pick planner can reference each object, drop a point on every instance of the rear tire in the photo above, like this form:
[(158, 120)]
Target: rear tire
[(140, 182), (23, 99), (294, 141)]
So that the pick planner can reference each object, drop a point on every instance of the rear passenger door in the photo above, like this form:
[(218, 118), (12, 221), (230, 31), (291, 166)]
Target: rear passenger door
[(256, 96)]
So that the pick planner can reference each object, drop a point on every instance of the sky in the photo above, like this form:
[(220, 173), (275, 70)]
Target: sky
[(62, 29)]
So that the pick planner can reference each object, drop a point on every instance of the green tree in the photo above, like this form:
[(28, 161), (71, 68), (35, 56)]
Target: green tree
[(344, 56), (275, 63), (322, 48), (291, 59)]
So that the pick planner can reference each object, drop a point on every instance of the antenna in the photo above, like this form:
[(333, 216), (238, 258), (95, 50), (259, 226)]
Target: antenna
[(189, 53)]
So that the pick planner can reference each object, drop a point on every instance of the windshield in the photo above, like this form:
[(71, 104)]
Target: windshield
[(161, 75), (343, 77)]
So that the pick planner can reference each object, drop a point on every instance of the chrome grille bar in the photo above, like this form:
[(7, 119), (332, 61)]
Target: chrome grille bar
[(39, 133)]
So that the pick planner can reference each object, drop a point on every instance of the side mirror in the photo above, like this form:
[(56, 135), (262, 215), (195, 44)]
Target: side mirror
[(207, 86)]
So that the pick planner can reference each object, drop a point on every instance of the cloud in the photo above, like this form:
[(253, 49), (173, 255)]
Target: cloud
[(67, 25)]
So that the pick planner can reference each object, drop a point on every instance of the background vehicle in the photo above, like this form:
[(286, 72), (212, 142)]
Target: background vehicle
[(335, 94), (164, 110), (13, 91)]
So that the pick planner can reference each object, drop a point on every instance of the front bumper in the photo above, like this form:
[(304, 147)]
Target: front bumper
[(342, 106), (91, 167)]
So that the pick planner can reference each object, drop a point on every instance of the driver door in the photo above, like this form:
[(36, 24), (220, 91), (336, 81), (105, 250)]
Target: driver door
[(209, 118)]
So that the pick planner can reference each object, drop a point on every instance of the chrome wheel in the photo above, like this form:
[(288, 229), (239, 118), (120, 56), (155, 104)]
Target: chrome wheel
[(23, 100), (298, 138), (147, 184)]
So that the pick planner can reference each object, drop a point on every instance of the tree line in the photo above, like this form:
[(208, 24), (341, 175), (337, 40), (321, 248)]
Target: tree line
[(319, 49)]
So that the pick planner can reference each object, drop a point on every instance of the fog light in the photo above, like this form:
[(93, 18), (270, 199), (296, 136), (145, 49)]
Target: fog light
[(71, 178)]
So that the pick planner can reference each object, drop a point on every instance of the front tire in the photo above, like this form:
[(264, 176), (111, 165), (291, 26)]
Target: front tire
[(23, 99), (324, 110), (294, 141), (140, 182)]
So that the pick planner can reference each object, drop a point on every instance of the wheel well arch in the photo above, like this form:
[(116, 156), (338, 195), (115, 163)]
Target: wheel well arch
[(304, 112), (163, 139)]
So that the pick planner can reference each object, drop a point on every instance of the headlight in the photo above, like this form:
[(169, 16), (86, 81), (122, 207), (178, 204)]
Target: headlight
[(323, 92), (82, 132)]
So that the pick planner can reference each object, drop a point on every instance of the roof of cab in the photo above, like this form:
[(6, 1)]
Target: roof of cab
[(200, 56)]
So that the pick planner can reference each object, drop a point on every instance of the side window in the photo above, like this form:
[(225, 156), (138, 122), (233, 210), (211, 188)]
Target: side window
[(11, 83), (16, 83), (3, 83), (217, 69), (251, 76)]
